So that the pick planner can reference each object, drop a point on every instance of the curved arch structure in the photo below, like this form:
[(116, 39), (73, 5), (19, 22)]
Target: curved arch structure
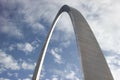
[(93, 62)]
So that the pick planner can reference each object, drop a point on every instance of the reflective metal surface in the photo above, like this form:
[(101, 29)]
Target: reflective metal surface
[(93, 62)]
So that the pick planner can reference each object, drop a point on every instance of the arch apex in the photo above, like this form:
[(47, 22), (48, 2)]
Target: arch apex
[(65, 8)]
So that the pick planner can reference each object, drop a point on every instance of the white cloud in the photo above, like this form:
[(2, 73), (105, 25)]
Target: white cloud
[(10, 28), (114, 64), (26, 47), (4, 79), (66, 43), (64, 33), (65, 25), (30, 75), (57, 57), (27, 66), (38, 26), (12, 74), (113, 60), (116, 74), (11, 47), (54, 78), (103, 17), (7, 62), (32, 14), (72, 76), (9, 74), (70, 72), (27, 79)]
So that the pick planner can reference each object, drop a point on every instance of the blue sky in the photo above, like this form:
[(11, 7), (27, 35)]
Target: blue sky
[(24, 25)]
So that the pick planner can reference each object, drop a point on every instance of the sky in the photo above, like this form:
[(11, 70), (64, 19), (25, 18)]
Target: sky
[(24, 25)]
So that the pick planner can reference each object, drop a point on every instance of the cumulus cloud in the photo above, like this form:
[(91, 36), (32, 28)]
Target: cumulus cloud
[(27, 66), (12, 18), (8, 62), (57, 57), (27, 79), (116, 73), (54, 77), (12, 74), (25, 47), (65, 25), (114, 62), (70, 72), (64, 33), (38, 27), (72, 76), (10, 29), (4, 78), (8, 25), (104, 26)]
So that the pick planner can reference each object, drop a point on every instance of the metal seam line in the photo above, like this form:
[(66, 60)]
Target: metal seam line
[(94, 65)]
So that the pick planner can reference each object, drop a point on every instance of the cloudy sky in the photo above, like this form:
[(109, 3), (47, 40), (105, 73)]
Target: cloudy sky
[(24, 25)]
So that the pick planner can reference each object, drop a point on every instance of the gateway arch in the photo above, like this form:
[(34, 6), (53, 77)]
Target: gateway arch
[(93, 63)]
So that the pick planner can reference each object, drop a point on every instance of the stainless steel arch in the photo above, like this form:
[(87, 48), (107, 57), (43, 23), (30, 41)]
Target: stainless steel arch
[(93, 62)]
